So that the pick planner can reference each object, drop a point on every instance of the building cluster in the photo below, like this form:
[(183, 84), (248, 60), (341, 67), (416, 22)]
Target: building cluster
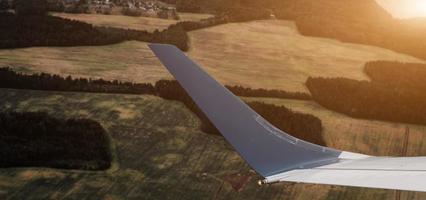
[(151, 8), (147, 8), (101, 6)]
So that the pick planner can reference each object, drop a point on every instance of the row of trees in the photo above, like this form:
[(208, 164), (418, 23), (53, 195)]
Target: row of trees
[(204, 23), (397, 75), (395, 93), (175, 34), (300, 125), (236, 14), (45, 81), (249, 92), (39, 140)]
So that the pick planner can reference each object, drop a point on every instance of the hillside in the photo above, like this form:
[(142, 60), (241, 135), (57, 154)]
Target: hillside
[(273, 54), (259, 54), (354, 21)]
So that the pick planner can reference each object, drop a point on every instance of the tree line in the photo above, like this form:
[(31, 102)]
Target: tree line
[(395, 93), (260, 92), (398, 75), (238, 14), (42, 30), (45, 81), (35, 139), (299, 125)]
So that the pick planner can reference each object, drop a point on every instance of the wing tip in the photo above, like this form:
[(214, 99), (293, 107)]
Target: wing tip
[(154, 46)]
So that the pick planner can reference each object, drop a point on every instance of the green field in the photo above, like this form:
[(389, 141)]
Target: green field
[(159, 152)]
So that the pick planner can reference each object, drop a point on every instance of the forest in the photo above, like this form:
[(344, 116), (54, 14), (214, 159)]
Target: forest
[(299, 125), (395, 93), (44, 30), (35, 139)]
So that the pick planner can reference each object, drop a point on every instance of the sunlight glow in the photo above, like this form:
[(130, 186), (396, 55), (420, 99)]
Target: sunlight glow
[(405, 8), (418, 8)]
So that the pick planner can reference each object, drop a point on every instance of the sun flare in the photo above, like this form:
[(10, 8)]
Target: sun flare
[(418, 8), (405, 8)]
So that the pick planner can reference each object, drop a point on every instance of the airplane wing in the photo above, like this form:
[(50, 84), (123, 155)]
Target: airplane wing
[(402, 173), (276, 155)]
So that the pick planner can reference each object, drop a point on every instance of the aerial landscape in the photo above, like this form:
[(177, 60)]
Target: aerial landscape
[(88, 111)]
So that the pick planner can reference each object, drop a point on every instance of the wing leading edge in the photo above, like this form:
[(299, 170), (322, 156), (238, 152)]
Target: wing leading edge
[(274, 154)]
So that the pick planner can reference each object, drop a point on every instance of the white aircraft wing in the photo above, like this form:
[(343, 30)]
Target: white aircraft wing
[(374, 172), (276, 155)]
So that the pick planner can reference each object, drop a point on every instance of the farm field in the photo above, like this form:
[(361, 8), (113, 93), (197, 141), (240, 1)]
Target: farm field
[(159, 152), (149, 24), (185, 16), (273, 54), (127, 61), (259, 54)]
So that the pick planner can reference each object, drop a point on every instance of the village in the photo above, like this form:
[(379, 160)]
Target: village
[(145, 8)]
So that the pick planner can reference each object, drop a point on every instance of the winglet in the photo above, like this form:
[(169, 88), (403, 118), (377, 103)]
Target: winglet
[(266, 149)]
